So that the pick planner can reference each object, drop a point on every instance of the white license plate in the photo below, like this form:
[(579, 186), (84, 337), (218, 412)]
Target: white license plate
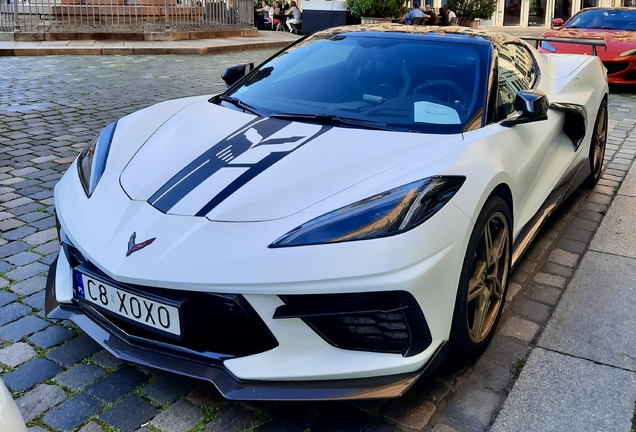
[(139, 309)]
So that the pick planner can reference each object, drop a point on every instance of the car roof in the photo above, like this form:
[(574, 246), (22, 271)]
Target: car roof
[(457, 33)]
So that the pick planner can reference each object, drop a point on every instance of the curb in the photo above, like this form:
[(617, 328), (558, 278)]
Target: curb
[(140, 50)]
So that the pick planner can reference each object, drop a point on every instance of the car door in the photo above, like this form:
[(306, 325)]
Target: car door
[(542, 152)]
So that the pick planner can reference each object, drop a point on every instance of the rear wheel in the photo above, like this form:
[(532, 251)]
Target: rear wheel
[(597, 146), (483, 281)]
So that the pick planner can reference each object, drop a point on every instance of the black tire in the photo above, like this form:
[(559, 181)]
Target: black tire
[(597, 146), (466, 340)]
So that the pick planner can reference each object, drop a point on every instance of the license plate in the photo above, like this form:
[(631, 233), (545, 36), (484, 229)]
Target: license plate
[(142, 310)]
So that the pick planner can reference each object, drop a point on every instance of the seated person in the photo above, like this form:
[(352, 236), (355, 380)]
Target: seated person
[(452, 18), (444, 17), (414, 13), (275, 10), (430, 13), (263, 13), (295, 14)]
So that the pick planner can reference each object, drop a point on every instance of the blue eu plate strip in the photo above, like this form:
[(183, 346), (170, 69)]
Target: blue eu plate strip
[(80, 284)]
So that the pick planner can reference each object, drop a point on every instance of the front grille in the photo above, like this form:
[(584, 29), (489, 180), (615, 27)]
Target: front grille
[(614, 67), (389, 322), (631, 76), (222, 324)]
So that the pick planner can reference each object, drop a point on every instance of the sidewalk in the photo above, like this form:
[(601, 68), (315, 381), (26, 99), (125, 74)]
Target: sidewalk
[(581, 375), (264, 40)]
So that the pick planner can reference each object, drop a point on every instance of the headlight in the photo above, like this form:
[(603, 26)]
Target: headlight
[(628, 53), (92, 160), (548, 46), (382, 215)]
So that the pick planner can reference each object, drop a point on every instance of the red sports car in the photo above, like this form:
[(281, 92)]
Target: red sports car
[(617, 26)]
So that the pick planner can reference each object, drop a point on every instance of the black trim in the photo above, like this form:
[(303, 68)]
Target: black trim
[(385, 321), (591, 42), (231, 387), (575, 123)]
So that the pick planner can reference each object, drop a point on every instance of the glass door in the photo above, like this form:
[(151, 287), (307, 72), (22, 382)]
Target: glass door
[(562, 9), (536, 13), (512, 13)]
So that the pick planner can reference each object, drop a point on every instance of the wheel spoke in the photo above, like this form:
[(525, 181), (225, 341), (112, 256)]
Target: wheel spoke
[(499, 244), (481, 311), (488, 245), (476, 286)]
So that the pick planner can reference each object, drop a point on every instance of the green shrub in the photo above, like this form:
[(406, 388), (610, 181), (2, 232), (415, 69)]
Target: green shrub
[(376, 8), (482, 9)]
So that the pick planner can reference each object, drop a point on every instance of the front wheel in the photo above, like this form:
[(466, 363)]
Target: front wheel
[(597, 146), (483, 281)]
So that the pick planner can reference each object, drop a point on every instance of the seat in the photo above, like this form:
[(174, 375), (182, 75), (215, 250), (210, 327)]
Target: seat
[(416, 21)]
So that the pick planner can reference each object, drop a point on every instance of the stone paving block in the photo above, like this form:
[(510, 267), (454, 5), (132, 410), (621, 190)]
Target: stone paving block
[(36, 301), (473, 407), (443, 428), (431, 389), (129, 414), (582, 326), (23, 258), (16, 354), (577, 234), (506, 351), (346, 416), (205, 394), (519, 328), (117, 385), (41, 237), (409, 412), (167, 388), (564, 258), (17, 202), (31, 373), (51, 336), (48, 248), (181, 417), (91, 427), (572, 246), (44, 223), (25, 326), (513, 289), (12, 248), (74, 351), (588, 215), (27, 271), (33, 216), (550, 385), (6, 298), (79, 376), (19, 211), (39, 400), (12, 312), (19, 233), (551, 280), (48, 260), (543, 294), (9, 224), (29, 286), (490, 374), (106, 360), (73, 412), (536, 312)]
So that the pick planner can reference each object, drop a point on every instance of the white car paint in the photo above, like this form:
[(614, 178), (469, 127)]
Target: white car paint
[(10, 418)]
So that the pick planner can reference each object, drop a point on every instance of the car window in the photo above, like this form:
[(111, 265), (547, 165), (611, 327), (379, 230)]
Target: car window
[(618, 19), (516, 73), (410, 84)]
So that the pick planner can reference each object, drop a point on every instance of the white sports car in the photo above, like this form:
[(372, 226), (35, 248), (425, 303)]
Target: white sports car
[(338, 221)]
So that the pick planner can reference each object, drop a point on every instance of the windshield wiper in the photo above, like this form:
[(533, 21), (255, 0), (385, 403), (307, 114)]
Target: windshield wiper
[(238, 103), (334, 120)]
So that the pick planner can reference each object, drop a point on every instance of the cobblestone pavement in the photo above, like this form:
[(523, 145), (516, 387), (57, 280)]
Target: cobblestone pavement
[(50, 107)]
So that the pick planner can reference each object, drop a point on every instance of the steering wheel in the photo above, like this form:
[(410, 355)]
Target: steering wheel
[(449, 85)]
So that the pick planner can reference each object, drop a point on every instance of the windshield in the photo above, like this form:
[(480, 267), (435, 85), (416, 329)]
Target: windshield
[(604, 19), (363, 80)]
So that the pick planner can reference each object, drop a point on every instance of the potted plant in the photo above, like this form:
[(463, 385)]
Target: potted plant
[(469, 12), (373, 11)]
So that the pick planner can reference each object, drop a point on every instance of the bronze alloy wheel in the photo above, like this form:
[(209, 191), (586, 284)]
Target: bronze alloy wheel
[(597, 146), (483, 281), (487, 284)]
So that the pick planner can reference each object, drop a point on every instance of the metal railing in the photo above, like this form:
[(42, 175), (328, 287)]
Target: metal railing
[(124, 16)]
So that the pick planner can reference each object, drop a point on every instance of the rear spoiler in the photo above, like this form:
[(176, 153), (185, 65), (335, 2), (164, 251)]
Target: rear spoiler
[(592, 42)]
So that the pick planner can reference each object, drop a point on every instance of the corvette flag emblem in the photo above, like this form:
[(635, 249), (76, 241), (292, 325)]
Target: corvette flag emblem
[(134, 247)]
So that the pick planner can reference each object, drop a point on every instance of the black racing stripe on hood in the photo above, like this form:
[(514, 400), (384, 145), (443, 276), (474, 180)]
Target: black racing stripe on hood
[(212, 160), (252, 172)]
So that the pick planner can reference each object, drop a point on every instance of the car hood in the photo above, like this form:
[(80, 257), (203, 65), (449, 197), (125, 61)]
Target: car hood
[(226, 165), (617, 41)]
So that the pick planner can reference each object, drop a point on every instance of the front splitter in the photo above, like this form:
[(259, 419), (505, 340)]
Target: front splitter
[(231, 387)]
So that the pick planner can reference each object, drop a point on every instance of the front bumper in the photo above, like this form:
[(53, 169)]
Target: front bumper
[(212, 369)]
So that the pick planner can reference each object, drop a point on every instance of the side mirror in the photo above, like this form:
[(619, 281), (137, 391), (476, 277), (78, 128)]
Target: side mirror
[(531, 106), (557, 23), (235, 73)]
